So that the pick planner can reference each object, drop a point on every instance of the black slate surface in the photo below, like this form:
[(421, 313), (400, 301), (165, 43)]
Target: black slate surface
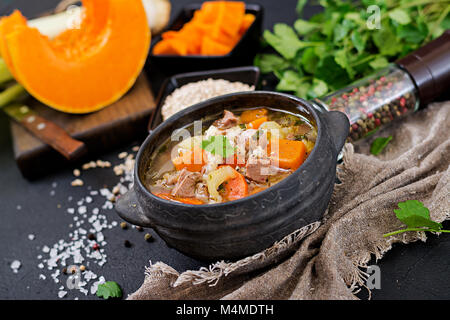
[(414, 271)]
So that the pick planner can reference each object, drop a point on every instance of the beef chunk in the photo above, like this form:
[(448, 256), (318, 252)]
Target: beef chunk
[(260, 169), (185, 186), (229, 120)]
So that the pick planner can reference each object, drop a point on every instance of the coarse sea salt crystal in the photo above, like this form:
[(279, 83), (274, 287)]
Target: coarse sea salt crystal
[(71, 210), (62, 294), (31, 237), (42, 277), (15, 265), (100, 237)]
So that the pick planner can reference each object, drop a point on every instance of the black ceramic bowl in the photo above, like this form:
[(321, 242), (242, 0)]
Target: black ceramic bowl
[(248, 75), (243, 227), (242, 54)]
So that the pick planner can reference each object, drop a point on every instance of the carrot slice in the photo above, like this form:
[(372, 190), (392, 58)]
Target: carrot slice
[(172, 46), (290, 154), (246, 23), (250, 115), (214, 30), (191, 160), (211, 47), (255, 124), (236, 188), (230, 17), (169, 197)]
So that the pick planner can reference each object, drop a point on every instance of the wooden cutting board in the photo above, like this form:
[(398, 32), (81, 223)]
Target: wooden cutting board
[(121, 123)]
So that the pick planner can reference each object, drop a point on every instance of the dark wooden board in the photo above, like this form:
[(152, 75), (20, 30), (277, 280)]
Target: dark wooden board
[(118, 124)]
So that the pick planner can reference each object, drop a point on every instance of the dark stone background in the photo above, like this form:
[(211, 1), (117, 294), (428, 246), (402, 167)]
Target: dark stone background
[(415, 271)]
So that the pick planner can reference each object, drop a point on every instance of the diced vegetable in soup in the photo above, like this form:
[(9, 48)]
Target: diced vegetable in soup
[(239, 155)]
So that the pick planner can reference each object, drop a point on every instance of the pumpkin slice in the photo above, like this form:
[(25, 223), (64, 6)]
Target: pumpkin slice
[(86, 69)]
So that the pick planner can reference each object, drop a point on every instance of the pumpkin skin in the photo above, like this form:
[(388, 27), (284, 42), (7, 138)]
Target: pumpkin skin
[(86, 69), (8, 25)]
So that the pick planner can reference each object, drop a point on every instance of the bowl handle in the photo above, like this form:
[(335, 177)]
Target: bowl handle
[(129, 209), (339, 126)]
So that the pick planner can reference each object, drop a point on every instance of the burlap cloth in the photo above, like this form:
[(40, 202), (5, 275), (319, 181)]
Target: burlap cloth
[(327, 260)]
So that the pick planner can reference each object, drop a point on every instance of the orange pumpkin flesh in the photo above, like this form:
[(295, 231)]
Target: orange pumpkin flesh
[(83, 70)]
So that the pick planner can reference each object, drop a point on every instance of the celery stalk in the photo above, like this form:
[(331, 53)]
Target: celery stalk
[(5, 75), (11, 94)]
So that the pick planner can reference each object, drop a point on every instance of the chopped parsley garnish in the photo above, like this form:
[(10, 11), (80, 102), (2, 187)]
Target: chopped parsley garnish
[(218, 145)]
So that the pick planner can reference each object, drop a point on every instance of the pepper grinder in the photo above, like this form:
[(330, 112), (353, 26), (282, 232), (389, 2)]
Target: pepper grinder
[(395, 91)]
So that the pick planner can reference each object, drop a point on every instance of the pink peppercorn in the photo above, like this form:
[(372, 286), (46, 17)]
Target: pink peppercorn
[(402, 102), (377, 122), (96, 246), (370, 115), (354, 126)]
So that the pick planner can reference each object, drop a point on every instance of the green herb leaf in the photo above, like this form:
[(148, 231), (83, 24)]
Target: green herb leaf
[(270, 62), (379, 63), (400, 16), (414, 214), (379, 144), (416, 217), (318, 89), (411, 33), (218, 145), (331, 72), (341, 59), (304, 27), (108, 290), (300, 5), (358, 41), (290, 81), (284, 40), (386, 41)]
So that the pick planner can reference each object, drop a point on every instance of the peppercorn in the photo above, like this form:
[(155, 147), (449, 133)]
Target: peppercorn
[(82, 268), (127, 244), (148, 237), (139, 228), (64, 270), (91, 236), (123, 225)]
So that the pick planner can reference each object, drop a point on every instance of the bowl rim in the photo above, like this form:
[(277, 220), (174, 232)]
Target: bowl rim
[(311, 109), (195, 6)]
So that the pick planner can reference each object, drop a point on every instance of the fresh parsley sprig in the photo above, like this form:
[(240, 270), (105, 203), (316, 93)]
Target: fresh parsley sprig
[(416, 217), (108, 290)]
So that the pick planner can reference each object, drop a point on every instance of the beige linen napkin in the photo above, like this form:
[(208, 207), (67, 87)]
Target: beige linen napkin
[(326, 260)]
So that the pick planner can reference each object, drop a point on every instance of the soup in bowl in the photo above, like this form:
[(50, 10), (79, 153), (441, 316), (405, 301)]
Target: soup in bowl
[(258, 166), (238, 155)]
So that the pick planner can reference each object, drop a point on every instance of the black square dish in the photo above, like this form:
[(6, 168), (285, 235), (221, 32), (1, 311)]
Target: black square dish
[(248, 75), (242, 54)]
